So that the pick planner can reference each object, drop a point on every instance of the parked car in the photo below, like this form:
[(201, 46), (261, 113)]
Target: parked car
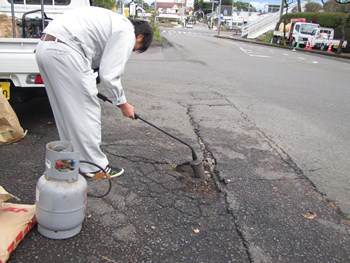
[(189, 25)]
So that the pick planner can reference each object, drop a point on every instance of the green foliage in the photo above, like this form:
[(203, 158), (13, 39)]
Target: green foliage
[(332, 6), (226, 2), (143, 4), (200, 5), (243, 6), (109, 4), (156, 34), (325, 19), (265, 37)]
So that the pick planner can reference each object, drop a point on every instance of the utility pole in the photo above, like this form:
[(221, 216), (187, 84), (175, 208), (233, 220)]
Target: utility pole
[(155, 11), (183, 12), (141, 9), (219, 17), (212, 14), (281, 8)]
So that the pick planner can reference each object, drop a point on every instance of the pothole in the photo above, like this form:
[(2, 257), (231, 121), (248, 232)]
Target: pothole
[(204, 185)]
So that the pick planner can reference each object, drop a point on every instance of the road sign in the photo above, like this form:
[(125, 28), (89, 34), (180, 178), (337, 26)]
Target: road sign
[(132, 9)]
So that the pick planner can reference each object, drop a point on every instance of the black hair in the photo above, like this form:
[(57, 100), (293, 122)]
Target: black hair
[(142, 27)]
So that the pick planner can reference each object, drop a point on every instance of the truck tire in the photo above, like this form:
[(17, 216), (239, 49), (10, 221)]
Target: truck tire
[(323, 47), (279, 40)]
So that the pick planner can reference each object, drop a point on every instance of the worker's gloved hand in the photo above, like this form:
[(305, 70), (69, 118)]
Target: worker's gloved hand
[(128, 110)]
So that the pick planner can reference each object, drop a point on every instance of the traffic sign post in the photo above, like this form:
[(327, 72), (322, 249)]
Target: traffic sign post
[(132, 9)]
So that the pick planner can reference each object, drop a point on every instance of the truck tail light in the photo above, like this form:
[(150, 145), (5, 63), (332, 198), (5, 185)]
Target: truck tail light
[(34, 79), (39, 79)]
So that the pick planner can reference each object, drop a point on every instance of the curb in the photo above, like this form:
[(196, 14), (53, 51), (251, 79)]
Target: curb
[(313, 51)]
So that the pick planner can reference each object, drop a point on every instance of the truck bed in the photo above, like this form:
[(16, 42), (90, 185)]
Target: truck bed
[(17, 56)]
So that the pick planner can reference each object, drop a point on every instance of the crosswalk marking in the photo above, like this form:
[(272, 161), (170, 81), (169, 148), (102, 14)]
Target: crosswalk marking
[(174, 31)]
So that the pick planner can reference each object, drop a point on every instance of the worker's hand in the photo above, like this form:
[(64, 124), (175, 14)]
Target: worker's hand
[(128, 110)]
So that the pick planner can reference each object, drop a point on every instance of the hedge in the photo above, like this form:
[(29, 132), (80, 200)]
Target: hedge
[(325, 19)]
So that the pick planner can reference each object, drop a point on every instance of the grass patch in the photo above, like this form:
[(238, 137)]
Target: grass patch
[(156, 34), (266, 38)]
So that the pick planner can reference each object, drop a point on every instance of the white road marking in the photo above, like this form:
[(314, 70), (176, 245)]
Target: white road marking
[(259, 56)]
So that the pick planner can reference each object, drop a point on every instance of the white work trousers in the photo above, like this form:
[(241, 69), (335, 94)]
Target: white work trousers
[(71, 87)]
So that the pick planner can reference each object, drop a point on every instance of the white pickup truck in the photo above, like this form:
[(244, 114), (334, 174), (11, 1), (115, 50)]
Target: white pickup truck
[(297, 31), (21, 24), (323, 37)]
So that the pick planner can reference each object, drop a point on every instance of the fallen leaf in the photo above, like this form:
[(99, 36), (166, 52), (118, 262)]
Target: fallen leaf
[(173, 166), (309, 215), (334, 206), (196, 230), (347, 222)]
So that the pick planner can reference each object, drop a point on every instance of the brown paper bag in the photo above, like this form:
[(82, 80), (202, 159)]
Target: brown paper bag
[(10, 128), (16, 220), (6, 27)]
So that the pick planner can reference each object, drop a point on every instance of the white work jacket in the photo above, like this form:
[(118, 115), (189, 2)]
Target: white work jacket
[(103, 37)]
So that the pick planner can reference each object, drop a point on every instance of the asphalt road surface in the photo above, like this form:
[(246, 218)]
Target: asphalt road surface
[(271, 127), (299, 101)]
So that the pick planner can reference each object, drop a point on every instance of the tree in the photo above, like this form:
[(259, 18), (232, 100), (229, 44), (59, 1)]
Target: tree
[(299, 6), (346, 23), (332, 6), (312, 7), (142, 3), (109, 4), (243, 6)]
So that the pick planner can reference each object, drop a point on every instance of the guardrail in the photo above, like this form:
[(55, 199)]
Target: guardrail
[(258, 27), (253, 29)]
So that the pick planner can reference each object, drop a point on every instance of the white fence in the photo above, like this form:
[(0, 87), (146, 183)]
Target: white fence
[(266, 23)]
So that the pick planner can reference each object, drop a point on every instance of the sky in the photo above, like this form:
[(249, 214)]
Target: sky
[(258, 4), (262, 4)]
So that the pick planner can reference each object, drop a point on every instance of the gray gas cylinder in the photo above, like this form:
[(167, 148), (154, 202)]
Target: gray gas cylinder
[(61, 193)]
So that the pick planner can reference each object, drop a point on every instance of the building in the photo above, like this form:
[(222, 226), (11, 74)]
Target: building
[(169, 11)]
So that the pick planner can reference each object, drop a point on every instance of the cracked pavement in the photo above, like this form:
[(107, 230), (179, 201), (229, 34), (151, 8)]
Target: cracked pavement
[(249, 208)]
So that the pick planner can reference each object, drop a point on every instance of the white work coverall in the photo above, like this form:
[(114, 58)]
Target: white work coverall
[(92, 38)]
